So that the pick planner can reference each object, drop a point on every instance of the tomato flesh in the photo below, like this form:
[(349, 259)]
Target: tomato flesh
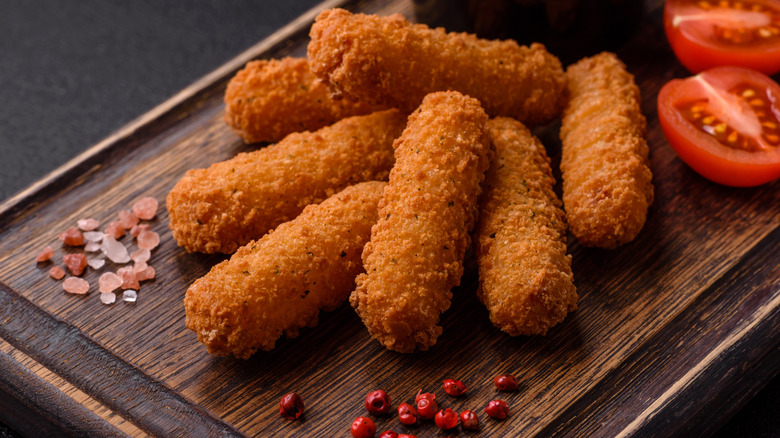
[(711, 33), (725, 124)]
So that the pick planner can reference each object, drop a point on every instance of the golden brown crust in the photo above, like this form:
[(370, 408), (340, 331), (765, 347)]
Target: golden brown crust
[(416, 250), (389, 61), (269, 99), (279, 283), (232, 202), (525, 276), (607, 183)]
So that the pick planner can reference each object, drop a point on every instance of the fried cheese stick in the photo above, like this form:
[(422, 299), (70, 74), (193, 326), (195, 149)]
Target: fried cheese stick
[(232, 202), (389, 61), (268, 99), (607, 183), (525, 276), (415, 255), (278, 284)]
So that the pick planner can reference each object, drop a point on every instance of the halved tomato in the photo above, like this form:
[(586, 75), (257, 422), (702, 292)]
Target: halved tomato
[(724, 123), (712, 33)]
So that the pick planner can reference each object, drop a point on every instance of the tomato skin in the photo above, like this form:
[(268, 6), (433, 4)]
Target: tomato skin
[(704, 154), (698, 55)]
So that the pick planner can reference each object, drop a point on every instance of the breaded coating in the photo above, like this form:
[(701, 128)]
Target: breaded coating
[(607, 183), (389, 61), (415, 255), (232, 202), (525, 276), (279, 283), (269, 99)]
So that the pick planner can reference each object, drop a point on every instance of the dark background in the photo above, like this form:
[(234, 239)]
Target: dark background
[(74, 71)]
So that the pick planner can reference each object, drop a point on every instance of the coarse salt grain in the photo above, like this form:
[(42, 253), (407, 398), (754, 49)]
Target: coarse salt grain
[(129, 279), (148, 240), (75, 263), (109, 282), (75, 285), (136, 230), (115, 230), (138, 267), (127, 219), (114, 250), (92, 247), (145, 208), (96, 263), (87, 224), (129, 296), (107, 297), (141, 255), (56, 272), (94, 236), (146, 274), (45, 254), (72, 237)]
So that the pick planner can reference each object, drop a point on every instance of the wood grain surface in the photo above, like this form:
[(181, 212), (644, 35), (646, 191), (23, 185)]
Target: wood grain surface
[(674, 331)]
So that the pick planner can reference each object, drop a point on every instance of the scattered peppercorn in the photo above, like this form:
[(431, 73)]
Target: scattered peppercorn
[(454, 388), (291, 406), (469, 420), (446, 419), (426, 408), (407, 414), (378, 402), (403, 435), (388, 434), (497, 409), (507, 382), (421, 395), (363, 427)]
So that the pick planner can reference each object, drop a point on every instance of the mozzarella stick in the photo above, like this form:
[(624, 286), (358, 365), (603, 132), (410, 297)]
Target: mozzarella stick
[(607, 183), (389, 61), (278, 284), (232, 202), (269, 99), (428, 209), (525, 276)]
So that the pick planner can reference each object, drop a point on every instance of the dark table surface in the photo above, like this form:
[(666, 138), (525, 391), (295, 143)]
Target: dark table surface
[(74, 71)]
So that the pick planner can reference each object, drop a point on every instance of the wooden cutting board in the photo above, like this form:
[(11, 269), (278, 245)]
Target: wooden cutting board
[(674, 331)]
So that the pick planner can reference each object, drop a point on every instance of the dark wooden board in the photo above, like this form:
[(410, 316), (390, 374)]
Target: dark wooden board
[(674, 331)]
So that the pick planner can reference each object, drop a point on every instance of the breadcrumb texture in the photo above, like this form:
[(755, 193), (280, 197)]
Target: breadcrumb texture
[(525, 275), (389, 61), (607, 183), (426, 214), (232, 202), (278, 284), (269, 99)]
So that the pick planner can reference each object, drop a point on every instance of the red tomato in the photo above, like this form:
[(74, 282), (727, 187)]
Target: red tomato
[(712, 33), (724, 123)]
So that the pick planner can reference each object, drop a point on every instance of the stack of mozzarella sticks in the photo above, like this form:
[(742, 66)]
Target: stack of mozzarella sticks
[(398, 147)]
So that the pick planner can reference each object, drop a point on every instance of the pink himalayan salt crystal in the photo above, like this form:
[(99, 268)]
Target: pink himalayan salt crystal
[(148, 240), (94, 236), (56, 272), (141, 255), (75, 263), (129, 280), (75, 285), (72, 237), (145, 208), (96, 263), (138, 267), (114, 250), (45, 254), (107, 298), (138, 229), (129, 296), (87, 224), (127, 219), (109, 282), (92, 247), (115, 230), (147, 274)]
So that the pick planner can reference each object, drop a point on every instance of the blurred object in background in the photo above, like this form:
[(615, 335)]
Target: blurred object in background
[(571, 29)]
